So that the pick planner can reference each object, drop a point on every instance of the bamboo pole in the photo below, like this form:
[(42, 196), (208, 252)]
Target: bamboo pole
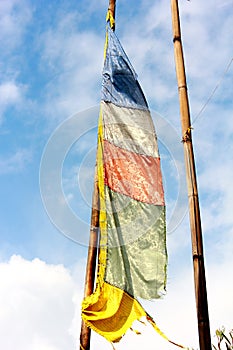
[(85, 334), (194, 211)]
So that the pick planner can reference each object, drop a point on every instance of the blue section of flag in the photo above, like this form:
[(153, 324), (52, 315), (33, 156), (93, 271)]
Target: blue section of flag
[(120, 85)]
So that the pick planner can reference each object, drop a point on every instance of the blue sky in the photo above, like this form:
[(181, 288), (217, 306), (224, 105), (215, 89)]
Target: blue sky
[(50, 67)]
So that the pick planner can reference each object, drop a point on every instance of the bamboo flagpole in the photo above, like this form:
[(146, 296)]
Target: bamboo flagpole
[(194, 211), (85, 334)]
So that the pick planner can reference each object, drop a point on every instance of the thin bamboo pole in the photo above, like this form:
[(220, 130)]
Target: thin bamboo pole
[(194, 211), (85, 334)]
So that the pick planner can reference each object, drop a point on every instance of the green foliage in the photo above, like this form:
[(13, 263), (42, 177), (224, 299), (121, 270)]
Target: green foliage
[(224, 342)]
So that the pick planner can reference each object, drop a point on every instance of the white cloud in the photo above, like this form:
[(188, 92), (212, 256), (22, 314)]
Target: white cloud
[(36, 305), (9, 93), (40, 305), (14, 17), (15, 163)]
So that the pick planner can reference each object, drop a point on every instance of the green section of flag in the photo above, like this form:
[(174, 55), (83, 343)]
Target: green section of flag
[(136, 254)]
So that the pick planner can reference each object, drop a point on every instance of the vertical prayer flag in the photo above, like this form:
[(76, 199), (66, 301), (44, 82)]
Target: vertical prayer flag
[(132, 258)]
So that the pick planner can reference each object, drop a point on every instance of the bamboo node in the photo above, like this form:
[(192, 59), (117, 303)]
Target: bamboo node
[(94, 228), (197, 256), (182, 87), (176, 38)]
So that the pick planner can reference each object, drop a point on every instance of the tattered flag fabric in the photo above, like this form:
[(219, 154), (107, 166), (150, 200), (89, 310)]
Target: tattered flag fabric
[(132, 258)]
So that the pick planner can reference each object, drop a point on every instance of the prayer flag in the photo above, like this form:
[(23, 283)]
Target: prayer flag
[(132, 258)]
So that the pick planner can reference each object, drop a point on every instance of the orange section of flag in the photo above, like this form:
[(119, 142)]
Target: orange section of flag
[(134, 175)]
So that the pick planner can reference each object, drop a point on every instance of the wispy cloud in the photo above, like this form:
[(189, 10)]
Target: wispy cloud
[(15, 163), (73, 59), (11, 95), (14, 17)]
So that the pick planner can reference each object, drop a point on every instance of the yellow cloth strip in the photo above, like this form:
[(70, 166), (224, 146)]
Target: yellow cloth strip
[(102, 215), (113, 313), (106, 45), (154, 325)]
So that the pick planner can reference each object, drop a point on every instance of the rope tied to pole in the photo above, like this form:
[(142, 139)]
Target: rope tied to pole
[(110, 19), (187, 135), (214, 90)]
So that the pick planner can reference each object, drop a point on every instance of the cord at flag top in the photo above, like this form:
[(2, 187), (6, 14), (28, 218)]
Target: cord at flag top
[(110, 19)]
